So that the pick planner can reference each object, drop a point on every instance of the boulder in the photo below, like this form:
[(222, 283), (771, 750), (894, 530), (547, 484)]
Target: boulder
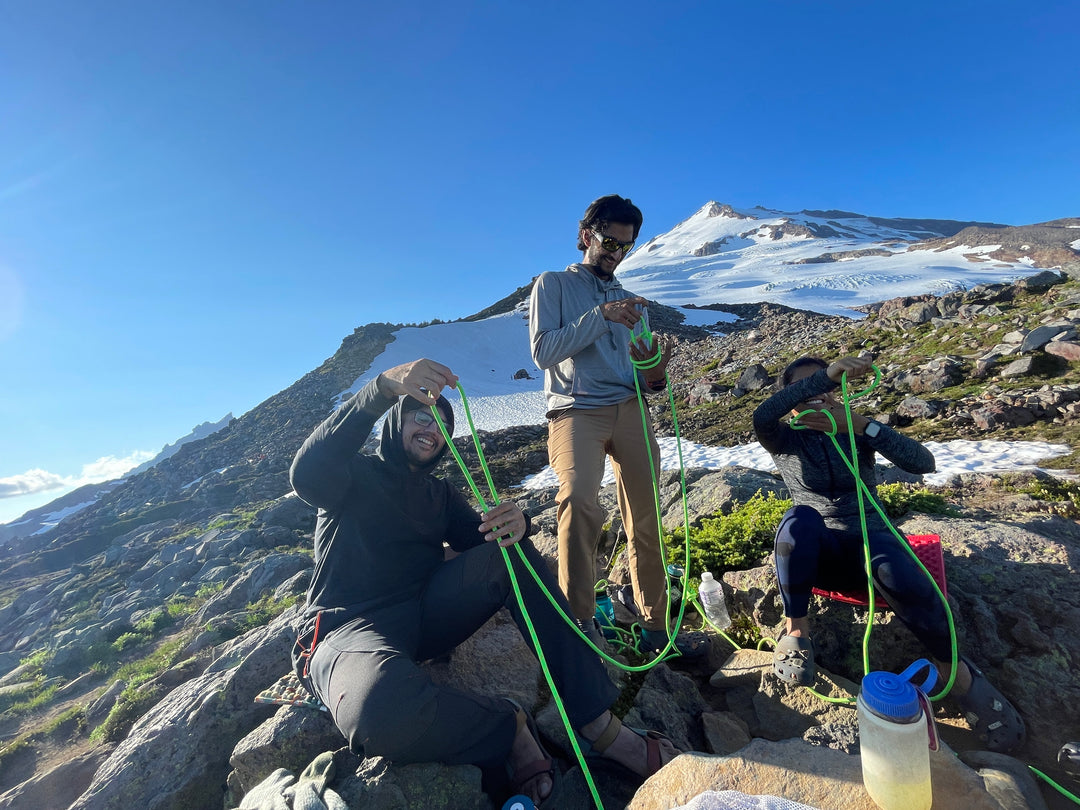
[(823, 778), (58, 787), (193, 730)]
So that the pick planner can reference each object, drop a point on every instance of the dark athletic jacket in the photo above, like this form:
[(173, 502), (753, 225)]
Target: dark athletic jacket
[(812, 470), (381, 526)]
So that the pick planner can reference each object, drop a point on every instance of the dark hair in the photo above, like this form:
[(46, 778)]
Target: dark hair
[(605, 210), (802, 362)]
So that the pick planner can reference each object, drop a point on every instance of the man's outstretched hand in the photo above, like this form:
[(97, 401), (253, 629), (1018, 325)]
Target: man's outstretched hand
[(505, 523), (422, 379)]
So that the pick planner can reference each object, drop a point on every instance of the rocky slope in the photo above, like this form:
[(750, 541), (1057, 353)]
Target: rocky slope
[(148, 618)]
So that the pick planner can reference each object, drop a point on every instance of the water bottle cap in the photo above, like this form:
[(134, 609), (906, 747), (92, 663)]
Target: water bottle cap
[(706, 576), (895, 696)]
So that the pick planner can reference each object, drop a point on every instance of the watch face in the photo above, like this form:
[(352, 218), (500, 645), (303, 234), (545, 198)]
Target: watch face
[(872, 429)]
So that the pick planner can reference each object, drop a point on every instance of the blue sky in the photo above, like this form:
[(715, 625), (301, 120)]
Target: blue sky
[(199, 200)]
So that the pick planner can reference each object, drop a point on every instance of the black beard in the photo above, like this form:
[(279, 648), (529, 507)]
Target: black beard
[(600, 272)]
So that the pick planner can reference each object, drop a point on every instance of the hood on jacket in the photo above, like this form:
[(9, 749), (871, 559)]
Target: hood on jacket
[(391, 443)]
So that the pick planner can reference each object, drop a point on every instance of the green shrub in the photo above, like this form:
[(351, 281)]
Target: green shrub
[(129, 640), (129, 707), (20, 697), (899, 499), (266, 609), (36, 661), (34, 699), (1065, 495), (732, 542), (744, 631)]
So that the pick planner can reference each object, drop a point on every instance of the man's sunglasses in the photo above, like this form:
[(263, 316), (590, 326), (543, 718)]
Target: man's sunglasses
[(611, 245), (423, 417)]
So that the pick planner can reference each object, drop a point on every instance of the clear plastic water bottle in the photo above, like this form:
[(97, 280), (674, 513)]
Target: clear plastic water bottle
[(711, 594), (896, 735)]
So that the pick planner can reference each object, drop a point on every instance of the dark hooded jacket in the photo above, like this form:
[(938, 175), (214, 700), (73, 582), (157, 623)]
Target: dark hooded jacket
[(381, 526)]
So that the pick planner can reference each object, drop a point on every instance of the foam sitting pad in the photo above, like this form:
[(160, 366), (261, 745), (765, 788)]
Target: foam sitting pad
[(288, 691), (927, 548)]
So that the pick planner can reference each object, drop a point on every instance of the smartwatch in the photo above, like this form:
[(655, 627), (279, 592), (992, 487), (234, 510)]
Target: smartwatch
[(872, 429)]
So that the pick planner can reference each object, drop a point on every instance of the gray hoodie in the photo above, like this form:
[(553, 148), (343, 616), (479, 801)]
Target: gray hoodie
[(585, 358)]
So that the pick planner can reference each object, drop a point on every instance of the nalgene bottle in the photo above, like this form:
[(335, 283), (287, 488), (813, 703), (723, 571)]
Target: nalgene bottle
[(896, 734), (711, 594)]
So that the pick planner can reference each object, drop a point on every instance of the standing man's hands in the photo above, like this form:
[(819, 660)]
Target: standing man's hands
[(640, 351), (626, 311), (505, 523), (422, 379)]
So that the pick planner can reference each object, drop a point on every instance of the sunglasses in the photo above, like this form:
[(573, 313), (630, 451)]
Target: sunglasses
[(611, 245), (423, 417)]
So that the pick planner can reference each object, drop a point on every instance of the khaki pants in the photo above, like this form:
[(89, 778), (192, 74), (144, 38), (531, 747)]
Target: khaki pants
[(579, 439)]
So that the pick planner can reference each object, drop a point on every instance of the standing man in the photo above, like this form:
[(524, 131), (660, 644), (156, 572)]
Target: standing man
[(383, 598), (580, 323)]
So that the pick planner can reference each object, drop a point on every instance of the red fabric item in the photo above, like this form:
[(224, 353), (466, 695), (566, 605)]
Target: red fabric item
[(927, 548)]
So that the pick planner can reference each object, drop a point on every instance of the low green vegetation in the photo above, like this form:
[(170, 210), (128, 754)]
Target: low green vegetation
[(732, 542), (266, 609), (1064, 496), (132, 704), (744, 631), (899, 499)]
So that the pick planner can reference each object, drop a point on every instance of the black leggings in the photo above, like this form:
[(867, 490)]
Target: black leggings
[(366, 670), (809, 554)]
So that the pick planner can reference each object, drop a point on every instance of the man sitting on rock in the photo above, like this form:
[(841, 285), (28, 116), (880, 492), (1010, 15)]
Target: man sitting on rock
[(819, 542), (383, 598)]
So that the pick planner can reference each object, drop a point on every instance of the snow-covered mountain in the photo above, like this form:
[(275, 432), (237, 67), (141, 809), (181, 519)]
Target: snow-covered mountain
[(824, 261)]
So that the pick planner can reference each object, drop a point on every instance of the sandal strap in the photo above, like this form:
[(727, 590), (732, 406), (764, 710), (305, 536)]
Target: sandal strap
[(607, 736), (653, 757)]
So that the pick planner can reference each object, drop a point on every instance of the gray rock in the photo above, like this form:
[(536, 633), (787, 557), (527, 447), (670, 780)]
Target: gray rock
[(1041, 335), (1020, 367), (724, 732), (380, 786), (257, 577), (754, 378), (286, 740), (58, 787), (193, 730), (820, 777)]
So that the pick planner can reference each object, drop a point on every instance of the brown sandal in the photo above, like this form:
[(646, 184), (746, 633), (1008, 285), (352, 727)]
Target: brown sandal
[(522, 776), (654, 757)]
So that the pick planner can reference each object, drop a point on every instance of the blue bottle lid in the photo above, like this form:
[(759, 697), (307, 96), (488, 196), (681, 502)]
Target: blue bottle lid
[(519, 802), (895, 696)]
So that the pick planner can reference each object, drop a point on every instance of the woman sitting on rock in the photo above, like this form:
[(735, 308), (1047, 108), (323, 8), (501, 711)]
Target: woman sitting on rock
[(819, 542)]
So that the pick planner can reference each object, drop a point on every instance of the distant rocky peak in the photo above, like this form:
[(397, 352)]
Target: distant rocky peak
[(715, 209)]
